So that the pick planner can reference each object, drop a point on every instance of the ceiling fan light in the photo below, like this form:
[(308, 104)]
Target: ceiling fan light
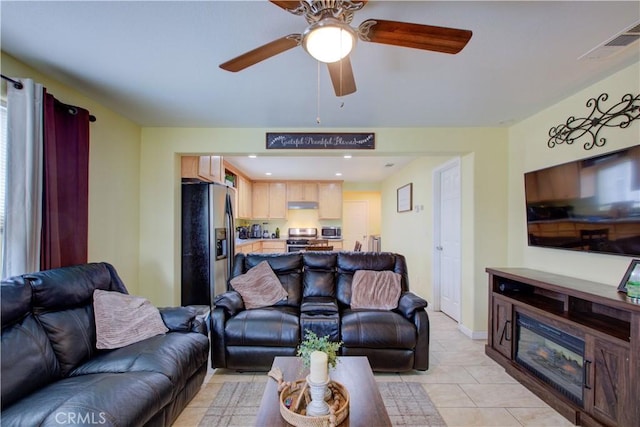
[(329, 40)]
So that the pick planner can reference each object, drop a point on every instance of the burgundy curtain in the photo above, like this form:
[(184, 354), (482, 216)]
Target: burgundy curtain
[(65, 208)]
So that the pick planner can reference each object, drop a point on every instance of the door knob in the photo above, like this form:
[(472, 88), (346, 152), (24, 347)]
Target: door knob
[(439, 248)]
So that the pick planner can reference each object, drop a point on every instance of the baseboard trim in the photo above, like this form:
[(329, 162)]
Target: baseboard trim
[(474, 335)]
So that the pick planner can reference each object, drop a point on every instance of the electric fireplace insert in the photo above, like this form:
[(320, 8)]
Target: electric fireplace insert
[(554, 356)]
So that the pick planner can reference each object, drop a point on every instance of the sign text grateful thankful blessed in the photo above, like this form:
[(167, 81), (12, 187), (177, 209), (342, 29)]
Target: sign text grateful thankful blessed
[(343, 141)]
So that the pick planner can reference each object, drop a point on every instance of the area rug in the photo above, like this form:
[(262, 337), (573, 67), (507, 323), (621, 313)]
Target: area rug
[(237, 403)]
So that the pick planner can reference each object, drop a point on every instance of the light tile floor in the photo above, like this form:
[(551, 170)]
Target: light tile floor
[(467, 387)]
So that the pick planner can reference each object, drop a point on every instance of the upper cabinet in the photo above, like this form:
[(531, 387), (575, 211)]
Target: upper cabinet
[(329, 200), (205, 168), (302, 191), (269, 200), (245, 195)]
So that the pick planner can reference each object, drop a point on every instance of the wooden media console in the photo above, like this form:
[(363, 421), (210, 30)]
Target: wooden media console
[(574, 343)]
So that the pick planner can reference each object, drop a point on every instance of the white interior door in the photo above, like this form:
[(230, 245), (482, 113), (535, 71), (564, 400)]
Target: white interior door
[(355, 224), (447, 283)]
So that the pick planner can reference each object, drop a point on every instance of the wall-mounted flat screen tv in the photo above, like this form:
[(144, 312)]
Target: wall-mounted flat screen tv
[(587, 205)]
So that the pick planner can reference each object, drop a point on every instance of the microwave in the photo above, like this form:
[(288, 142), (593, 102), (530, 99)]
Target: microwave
[(331, 232)]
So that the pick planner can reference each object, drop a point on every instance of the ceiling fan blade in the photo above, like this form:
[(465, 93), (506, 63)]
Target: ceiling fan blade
[(287, 5), (417, 36), (342, 77), (290, 5), (261, 53)]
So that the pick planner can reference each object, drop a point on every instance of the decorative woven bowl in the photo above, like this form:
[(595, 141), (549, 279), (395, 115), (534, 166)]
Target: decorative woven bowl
[(300, 420)]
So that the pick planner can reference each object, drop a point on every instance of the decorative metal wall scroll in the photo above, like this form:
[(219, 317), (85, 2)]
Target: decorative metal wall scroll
[(347, 141), (620, 115)]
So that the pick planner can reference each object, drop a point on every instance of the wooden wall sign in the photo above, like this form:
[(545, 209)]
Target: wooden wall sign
[(338, 141)]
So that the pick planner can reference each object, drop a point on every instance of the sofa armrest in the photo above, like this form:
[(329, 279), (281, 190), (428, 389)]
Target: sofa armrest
[(409, 303), (231, 301), (219, 318), (183, 319)]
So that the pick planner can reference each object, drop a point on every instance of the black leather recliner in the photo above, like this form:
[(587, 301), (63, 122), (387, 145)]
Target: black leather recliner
[(52, 373), (319, 296)]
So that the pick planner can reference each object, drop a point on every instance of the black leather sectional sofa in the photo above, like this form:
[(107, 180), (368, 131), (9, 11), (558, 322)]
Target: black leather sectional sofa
[(52, 373), (319, 297)]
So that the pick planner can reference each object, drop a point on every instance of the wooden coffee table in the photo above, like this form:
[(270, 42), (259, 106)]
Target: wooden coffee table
[(366, 407)]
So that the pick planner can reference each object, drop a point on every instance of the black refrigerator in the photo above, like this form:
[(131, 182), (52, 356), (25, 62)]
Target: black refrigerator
[(208, 242)]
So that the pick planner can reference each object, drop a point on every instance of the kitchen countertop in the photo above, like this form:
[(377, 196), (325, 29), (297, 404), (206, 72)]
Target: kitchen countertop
[(242, 242)]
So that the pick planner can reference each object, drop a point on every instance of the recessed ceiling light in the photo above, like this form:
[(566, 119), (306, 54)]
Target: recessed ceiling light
[(347, 156), (338, 173), (252, 156), (268, 173)]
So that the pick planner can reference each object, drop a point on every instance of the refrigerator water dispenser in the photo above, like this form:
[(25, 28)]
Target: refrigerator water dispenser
[(221, 243)]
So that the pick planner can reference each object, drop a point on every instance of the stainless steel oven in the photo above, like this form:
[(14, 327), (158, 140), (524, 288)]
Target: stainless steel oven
[(296, 245), (298, 238)]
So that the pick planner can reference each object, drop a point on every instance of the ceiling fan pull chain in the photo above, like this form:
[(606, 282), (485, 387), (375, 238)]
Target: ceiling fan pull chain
[(342, 103), (341, 63), (318, 96)]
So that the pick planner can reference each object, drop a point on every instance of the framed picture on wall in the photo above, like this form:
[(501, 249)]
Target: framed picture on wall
[(405, 198)]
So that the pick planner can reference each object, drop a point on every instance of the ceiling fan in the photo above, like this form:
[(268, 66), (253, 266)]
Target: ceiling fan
[(331, 18)]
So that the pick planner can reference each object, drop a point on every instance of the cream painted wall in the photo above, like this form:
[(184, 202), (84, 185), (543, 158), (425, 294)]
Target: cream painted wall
[(482, 154), (374, 199), (114, 191), (411, 233), (360, 186), (484, 186), (528, 151)]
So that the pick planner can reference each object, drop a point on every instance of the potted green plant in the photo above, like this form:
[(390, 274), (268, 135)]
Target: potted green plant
[(313, 343)]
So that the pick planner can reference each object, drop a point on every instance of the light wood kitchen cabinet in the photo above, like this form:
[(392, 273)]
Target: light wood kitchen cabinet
[(260, 200), (330, 200), (273, 246), (249, 247), (255, 248), (205, 168), (302, 191), (277, 200), (244, 195), (262, 246), (269, 200)]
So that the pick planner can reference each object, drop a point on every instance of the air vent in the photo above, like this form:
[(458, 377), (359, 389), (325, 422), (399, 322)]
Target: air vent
[(635, 29), (615, 44), (623, 40)]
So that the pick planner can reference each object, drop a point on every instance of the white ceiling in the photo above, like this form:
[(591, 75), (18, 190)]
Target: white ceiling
[(355, 169), (157, 62)]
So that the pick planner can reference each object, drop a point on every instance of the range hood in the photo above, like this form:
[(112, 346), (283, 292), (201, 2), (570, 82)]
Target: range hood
[(302, 205)]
